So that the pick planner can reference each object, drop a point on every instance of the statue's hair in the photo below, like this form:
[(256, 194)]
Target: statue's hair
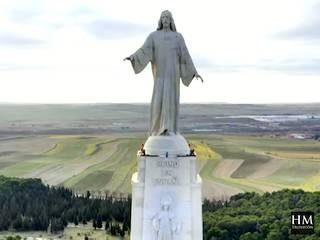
[(166, 200), (172, 25)]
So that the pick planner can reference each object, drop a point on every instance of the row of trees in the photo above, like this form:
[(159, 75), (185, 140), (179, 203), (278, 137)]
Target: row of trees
[(251, 216), (27, 204)]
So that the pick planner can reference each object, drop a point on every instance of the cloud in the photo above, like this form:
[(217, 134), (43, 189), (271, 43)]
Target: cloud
[(208, 65), (294, 66), (309, 66), (308, 30), (82, 10), (24, 15), (21, 12), (15, 67), (105, 28), (227, 68), (14, 40)]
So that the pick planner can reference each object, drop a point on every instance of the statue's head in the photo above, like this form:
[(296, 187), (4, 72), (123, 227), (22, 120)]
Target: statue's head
[(166, 203), (166, 20)]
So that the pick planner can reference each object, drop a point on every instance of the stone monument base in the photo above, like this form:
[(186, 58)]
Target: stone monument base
[(166, 192)]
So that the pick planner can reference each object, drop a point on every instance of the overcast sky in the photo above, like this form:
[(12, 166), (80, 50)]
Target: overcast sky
[(247, 51)]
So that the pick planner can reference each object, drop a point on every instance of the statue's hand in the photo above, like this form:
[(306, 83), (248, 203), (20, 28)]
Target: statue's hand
[(128, 58), (198, 76)]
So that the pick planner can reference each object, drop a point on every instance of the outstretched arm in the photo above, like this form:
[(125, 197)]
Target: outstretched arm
[(198, 76), (142, 56), (187, 68), (128, 58)]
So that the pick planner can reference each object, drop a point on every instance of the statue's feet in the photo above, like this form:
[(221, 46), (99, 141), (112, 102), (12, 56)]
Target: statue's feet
[(165, 133)]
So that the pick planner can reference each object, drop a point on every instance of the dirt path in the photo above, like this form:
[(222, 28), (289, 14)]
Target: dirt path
[(218, 191), (268, 168), (55, 174), (226, 167), (28, 145)]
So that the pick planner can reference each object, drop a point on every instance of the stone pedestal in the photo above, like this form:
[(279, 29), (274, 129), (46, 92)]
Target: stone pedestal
[(166, 192)]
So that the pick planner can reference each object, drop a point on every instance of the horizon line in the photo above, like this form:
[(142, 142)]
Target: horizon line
[(147, 103)]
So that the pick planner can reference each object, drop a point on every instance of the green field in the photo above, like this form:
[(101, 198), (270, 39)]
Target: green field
[(70, 232), (228, 164)]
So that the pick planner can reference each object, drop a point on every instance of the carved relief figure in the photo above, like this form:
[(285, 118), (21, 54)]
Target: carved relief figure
[(164, 222)]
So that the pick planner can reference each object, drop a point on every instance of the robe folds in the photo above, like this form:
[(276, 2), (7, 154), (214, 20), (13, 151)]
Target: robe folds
[(170, 61)]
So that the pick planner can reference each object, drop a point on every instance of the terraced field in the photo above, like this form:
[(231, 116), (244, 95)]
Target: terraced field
[(264, 163), (228, 164)]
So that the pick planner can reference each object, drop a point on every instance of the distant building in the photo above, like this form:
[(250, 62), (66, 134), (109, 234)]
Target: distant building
[(300, 136)]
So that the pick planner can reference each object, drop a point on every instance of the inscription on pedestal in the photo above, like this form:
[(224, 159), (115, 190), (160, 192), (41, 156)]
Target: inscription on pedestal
[(165, 181), (167, 175), (167, 164)]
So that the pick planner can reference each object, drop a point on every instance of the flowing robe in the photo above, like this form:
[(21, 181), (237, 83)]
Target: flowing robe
[(170, 61), (164, 226)]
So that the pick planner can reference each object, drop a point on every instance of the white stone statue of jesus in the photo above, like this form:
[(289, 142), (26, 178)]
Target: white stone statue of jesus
[(170, 60)]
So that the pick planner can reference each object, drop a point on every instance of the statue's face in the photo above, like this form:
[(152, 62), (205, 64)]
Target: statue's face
[(165, 207), (165, 19)]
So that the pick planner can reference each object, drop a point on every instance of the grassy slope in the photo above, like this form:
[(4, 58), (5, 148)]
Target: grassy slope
[(107, 163), (297, 170), (112, 174)]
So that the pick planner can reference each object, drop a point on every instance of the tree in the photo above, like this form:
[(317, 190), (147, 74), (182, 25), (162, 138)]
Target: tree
[(94, 224), (88, 194), (250, 236), (274, 235), (99, 222), (56, 225), (107, 225)]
